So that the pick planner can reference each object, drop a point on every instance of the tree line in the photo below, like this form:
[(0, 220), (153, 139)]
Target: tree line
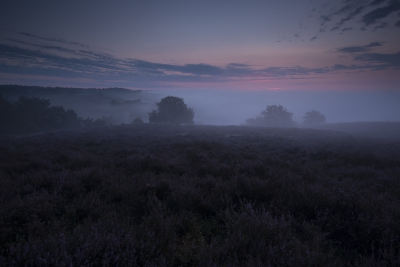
[(32, 114)]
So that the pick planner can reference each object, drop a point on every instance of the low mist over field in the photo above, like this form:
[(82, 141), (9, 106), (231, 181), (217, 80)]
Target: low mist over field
[(231, 107), (218, 107)]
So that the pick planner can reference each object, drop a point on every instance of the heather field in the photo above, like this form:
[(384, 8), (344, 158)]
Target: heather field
[(166, 195)]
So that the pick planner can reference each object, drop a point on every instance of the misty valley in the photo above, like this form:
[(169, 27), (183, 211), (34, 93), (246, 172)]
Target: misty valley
[(115, 177)]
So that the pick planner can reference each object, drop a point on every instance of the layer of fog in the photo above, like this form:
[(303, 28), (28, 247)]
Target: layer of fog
[(222, 107), (227, 107)]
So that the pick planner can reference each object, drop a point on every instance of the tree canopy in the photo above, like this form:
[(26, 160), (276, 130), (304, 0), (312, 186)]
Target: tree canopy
[(273, 116), (314, 117), (172, 109)]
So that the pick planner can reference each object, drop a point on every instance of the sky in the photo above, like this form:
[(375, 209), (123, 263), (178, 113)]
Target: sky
[(228, 45), (218, 44)]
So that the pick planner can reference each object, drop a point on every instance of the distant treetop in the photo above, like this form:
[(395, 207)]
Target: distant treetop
[(313, 117)]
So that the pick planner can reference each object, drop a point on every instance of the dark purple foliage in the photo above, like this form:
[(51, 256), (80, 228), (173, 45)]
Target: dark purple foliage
[(168, 195)]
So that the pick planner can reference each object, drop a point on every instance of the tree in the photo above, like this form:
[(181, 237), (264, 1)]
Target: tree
[(172, 109), (273, 116), (313, 117)]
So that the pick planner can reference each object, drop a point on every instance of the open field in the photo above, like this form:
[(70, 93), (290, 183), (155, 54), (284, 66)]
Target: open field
[(164, 195)]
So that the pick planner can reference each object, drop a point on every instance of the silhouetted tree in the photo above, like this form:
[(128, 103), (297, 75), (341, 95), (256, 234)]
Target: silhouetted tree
[(273, 116), (172, 109), (313, 117)]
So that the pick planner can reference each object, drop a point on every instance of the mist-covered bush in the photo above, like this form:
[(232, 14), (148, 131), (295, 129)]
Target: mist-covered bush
[(314, 117), (138, 120)]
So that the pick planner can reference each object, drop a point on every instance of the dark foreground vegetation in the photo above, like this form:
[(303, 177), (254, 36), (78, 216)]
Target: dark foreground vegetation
[(165, 195)]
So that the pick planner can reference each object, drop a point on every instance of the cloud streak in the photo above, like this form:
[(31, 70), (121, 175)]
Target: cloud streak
[(57, 40), (59, 61), (359, 49), (384, 60), (377, 14), (368, 13)]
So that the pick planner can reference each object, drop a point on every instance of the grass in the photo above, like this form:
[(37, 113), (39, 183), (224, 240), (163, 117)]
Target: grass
[(162, 195)]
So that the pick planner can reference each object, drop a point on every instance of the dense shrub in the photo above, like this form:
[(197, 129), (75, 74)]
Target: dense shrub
[(29, 115)]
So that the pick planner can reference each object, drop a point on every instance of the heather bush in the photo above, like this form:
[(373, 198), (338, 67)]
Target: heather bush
[(168, 195)]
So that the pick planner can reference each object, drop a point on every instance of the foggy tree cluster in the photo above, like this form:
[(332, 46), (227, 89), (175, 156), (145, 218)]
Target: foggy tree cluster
[(33, 114), (278, 116)]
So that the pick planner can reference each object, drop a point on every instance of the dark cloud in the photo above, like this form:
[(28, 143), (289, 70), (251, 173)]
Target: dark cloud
[(238, 65), (397, 24), (313, 38), (195, 69), (366, 12), (351, 15), (42, 59), (100, 66), (386, 60), (201, 69), (58, 48), (291, 71), (382, 25), (43, 47), (359, 49), (347, 29), (380, 13), (72, 52), (324, 19), (58, 40), (339, 67), (377, 2)]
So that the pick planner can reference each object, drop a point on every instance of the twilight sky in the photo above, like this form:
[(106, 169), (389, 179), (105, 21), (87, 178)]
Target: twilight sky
[(207, 44)]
